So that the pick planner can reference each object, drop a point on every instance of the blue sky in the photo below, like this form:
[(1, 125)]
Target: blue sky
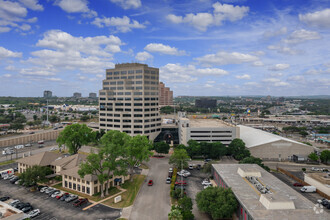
[(202, 47)]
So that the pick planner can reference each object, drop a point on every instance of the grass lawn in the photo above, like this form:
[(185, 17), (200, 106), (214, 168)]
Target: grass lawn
[(112, 191), (7, 162), (128, 197)]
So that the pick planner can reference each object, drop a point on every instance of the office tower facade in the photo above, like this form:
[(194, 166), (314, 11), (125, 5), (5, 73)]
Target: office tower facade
[(92, 95), (129, 100), (48, 94), (165, 95), (77, 95)]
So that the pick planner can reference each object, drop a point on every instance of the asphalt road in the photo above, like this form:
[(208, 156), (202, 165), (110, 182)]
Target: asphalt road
[(54, 209), (153, 202)]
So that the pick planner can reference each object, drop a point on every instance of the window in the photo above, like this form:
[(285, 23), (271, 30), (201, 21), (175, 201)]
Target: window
[(138, 82), (123, 77), (120, 82), (123, 72), (137, 132), (109, 73), (137, 104), (127, 109), (138, 87), (88, 190), (138, 71), (116, 73), (112, 83), (128, 93), (87, 182), (105, 83), (83, 189), (74, 186), (130, 77), (78, 187), (139, 77), (65, 176), (70, 177), (65, 183), (128, 104), (130, 71), (70, 185)]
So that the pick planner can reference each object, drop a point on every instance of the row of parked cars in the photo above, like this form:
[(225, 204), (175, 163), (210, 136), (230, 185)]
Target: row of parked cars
[(62, 196), (24, 207), (324, 202)]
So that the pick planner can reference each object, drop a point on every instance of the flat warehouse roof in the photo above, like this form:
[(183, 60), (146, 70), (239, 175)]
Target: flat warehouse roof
[(204, 123), (282, 202)]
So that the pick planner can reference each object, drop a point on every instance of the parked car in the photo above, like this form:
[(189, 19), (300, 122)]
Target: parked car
[(207, 160), (18, 182), (55, 193), (191, 167), (298, 184), (39, 187), (5, 198), (206, 182), (22, 205), (34, 213), (323, 202), (199, 166), (71, 198), (150, 183), (32, 132), (41, 145), (8, 176), (80, 202), (168, 180), (49, 190), (308, 189), (65, 196), (181, 183), (170, 169), (27, 209), (13, 180), (44, 189), (14, 202), (28, 145)]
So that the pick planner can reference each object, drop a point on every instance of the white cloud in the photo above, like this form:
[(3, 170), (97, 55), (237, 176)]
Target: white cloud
[(7, 75), (280, 66), (128, 4), (5, 53), (269, 34), (258, 63), (36, 71), (32, 4), (297, 78), (124, 24), (164, 49), (10, 68), (245, 76), (221, 13), (271, 80), (259, 53), (143, 56), (301, 35), (224, 58), (317, 19), (284, 50), (276, 74), (281, 84), (76, 6), (275, 82), (251, 84), (208, 85), (184, 74), (4, 29), (210, 81), (318, 71)]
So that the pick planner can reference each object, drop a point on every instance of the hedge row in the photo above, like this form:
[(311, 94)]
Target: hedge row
[(173, 179)]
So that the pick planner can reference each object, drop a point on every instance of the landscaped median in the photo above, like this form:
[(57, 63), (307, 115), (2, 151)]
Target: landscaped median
[(7, 162)]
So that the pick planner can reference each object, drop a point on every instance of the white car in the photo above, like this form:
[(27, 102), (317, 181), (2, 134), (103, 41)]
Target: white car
[(28, 145), (56, 194), (170, 169), (19, 146), (14, 202), (34, 213), (6, 177), (43, 189), (191, 167), (206, 182)]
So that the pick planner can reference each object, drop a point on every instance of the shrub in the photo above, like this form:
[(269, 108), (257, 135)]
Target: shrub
[(173, 180), (303, 169)]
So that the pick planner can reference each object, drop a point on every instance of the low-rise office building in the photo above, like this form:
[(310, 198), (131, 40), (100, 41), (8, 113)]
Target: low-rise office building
[(206, 130), (262, 196)]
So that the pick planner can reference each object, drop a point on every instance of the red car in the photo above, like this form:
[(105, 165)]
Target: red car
[(181, 183), (79, 202), (298, 184), (150, 183), (60, 196)]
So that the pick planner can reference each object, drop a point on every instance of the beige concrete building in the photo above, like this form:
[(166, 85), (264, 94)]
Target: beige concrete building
[(129, 100), (269, 146), (262, 196), (208, 130), (68, 167), (320, 180), (165, 95)]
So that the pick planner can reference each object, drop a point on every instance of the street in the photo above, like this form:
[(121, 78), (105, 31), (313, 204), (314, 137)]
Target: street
[(153, 202)]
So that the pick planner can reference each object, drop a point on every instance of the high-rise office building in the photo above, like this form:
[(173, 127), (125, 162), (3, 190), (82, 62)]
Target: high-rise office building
[(48, 94), (165, 95), (77, 95), (92, 95), (129, 100)]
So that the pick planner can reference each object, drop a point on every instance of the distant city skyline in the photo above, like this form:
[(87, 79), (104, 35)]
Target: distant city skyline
[(220, 48)]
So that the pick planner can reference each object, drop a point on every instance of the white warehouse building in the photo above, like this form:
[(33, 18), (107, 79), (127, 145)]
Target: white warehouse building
[(269, 146)]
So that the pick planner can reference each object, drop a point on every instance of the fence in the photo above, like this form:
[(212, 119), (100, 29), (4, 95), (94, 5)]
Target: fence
[(302, 182)]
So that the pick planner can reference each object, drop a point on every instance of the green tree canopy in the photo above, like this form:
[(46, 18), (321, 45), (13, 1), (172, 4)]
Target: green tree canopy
[(161, 147), (74, 136), (179, 158), (35, 174), (254, 160), (175, 214), (325, 156), (54, 118), (313, 156), (237, 149), (185, 205), (218, 202)]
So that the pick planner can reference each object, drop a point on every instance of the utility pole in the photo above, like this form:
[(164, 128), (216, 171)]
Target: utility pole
[(47, 113)]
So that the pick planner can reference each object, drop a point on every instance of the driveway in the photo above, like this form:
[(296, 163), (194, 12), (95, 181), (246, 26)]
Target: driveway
[(52, 208), (153, 202)]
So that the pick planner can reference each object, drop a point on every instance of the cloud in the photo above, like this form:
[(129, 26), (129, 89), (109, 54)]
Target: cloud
[(128, 4), (184, 74), (269, 34), (297, 78), (224, 58), (251, 84), (258, 63), (317, 19), (276, 74), (284, 50), (36, 71), (32, 4), (275, 82), (76, 6), (143, 56), (301, 35), (5, 53), (280, 66), (124, 24), (245, 76), (271, 80), (164, 49), (221, 13)]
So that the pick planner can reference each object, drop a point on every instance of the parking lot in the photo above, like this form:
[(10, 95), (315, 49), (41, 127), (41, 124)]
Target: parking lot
[(52, 208)]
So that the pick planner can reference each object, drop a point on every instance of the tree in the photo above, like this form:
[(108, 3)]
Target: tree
[(216, 201), (179, 158), (237, 149), (44, 117), (194, 148), (35, 117), (137, 151), (66, 118), (313, 156), (74, 136), (16, 126), (175, 214), (161, 147), (113, 146), (185, 205), (84, 118), (325, 156), (54, 118), (303, 169), (94, 165), (35, 174), (255, 160), (30, 123), (303, 133)]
